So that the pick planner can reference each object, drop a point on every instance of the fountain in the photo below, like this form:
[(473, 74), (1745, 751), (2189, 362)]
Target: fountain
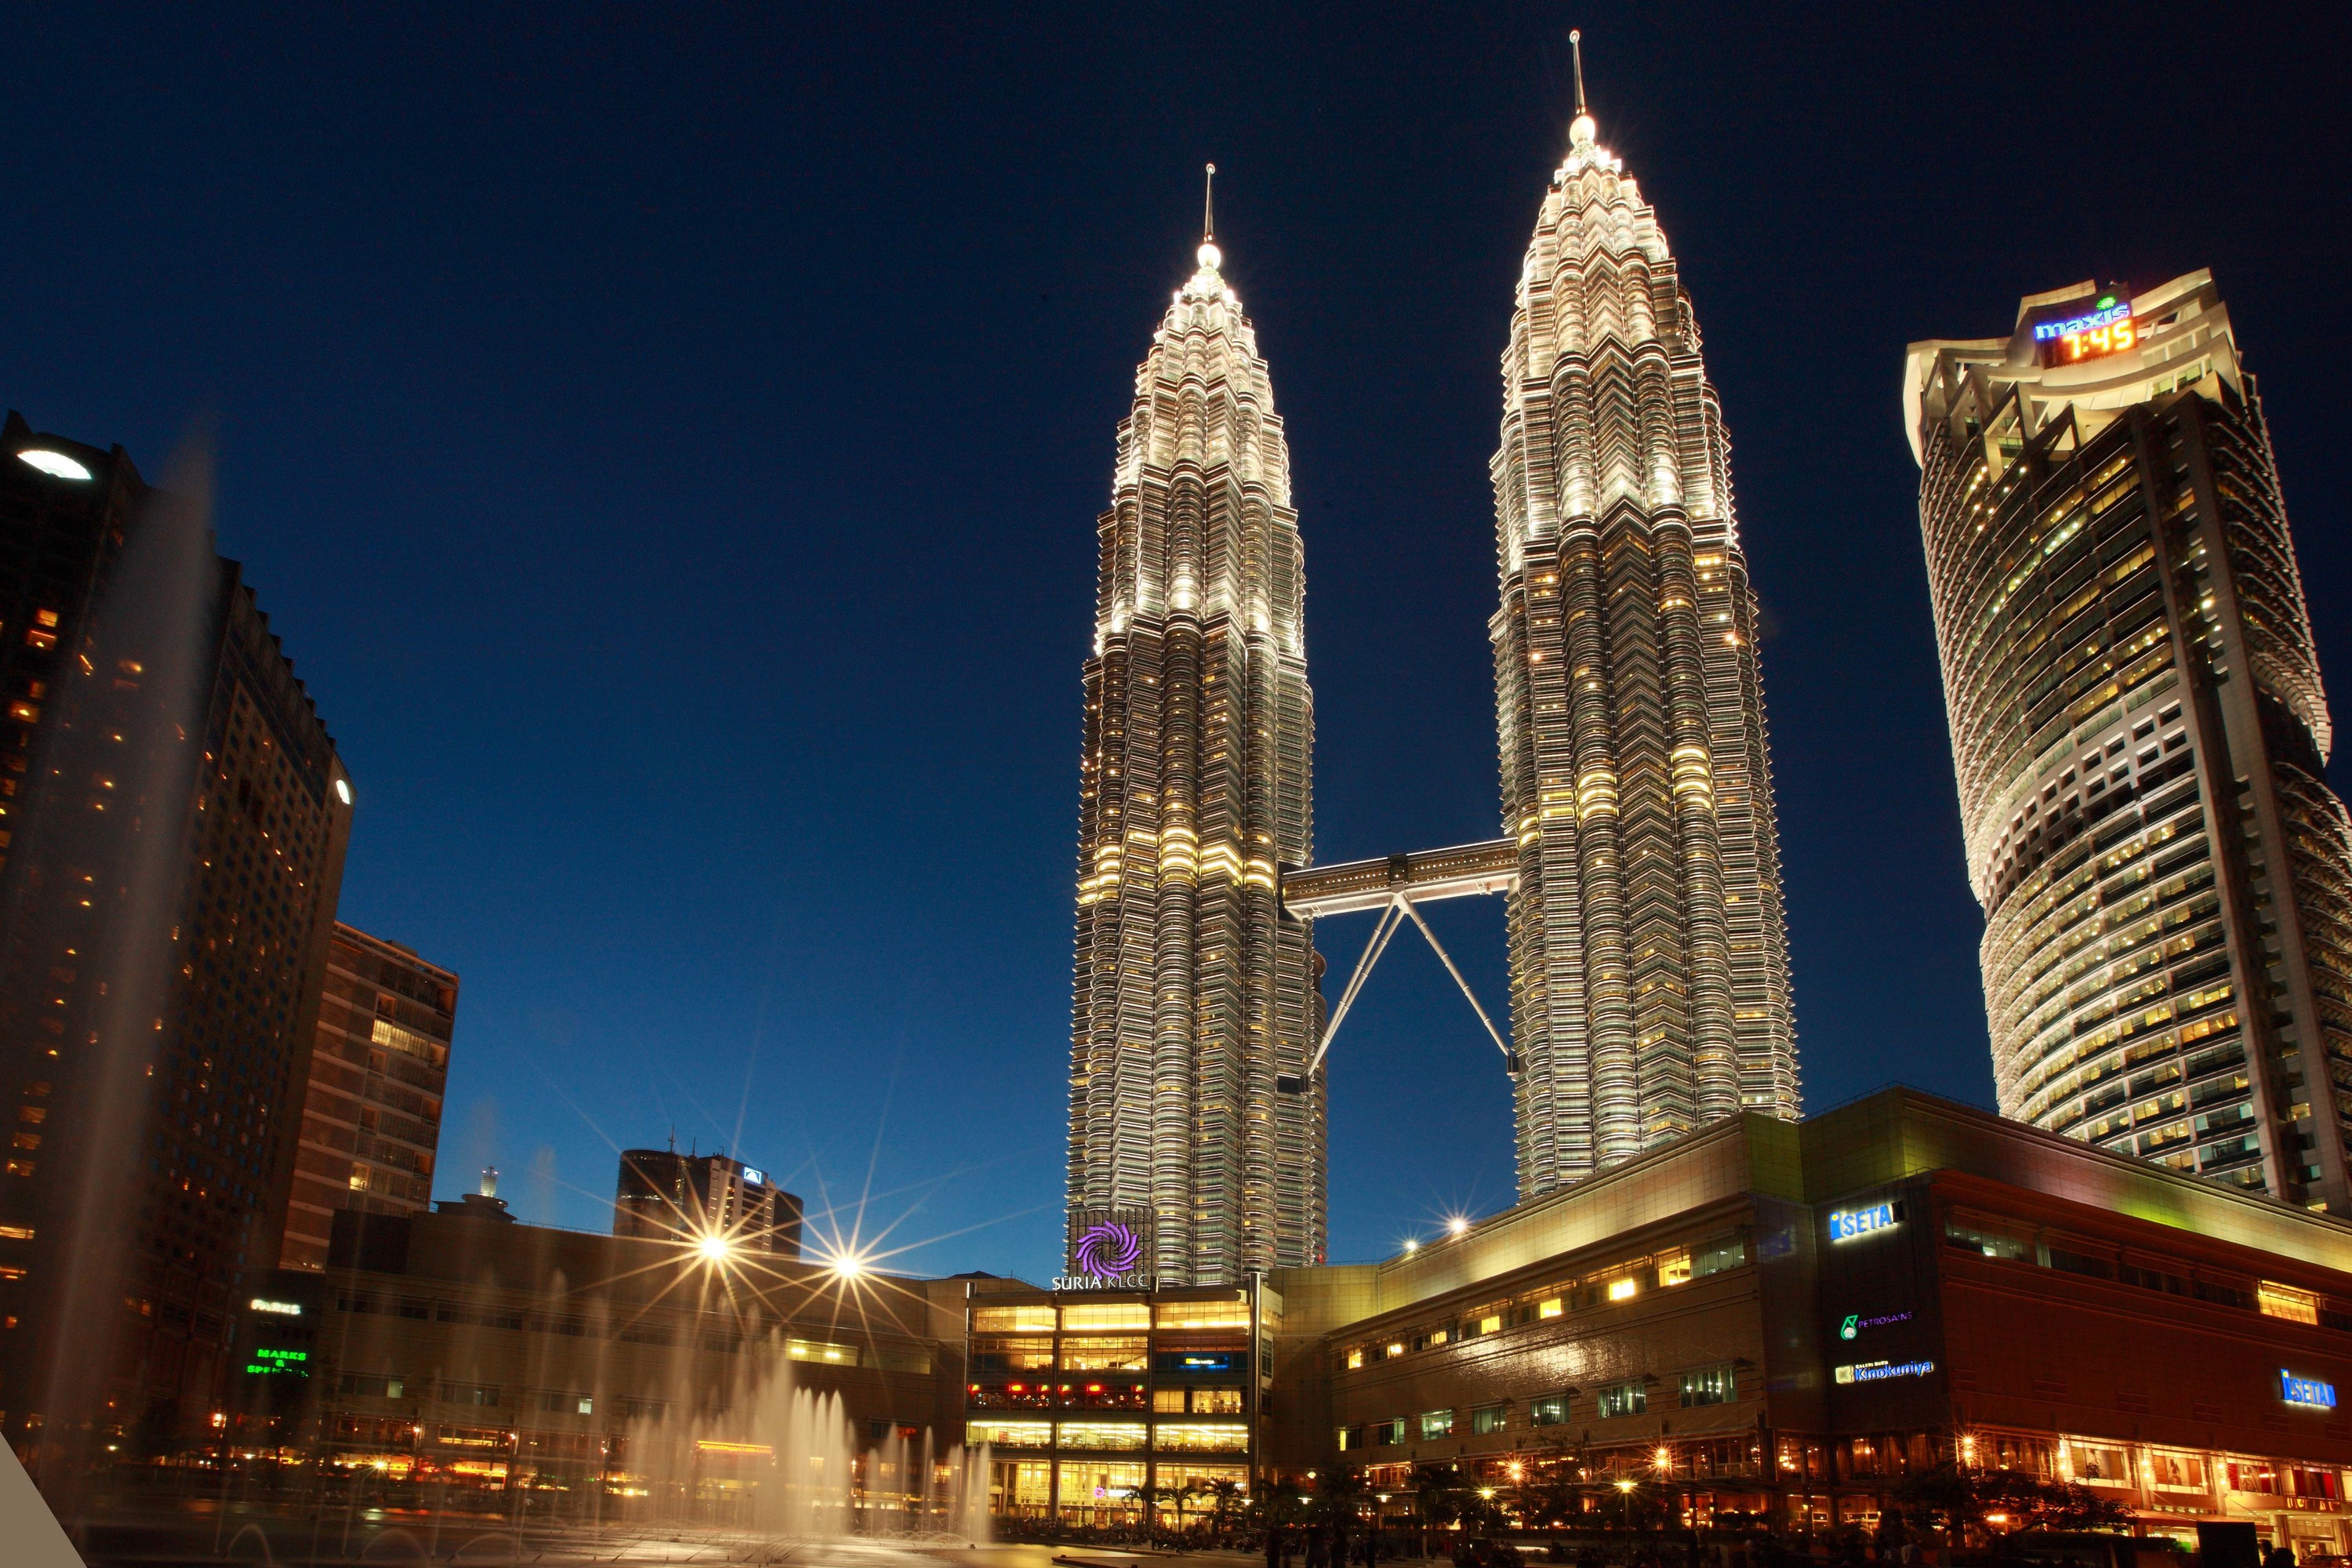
[(773, 1457)]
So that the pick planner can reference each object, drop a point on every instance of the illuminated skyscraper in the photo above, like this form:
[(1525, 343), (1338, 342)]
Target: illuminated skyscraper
[(1194, 990), (1649, 958), (2141, 736)]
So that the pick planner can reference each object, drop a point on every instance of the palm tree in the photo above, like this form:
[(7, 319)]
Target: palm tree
[(1227, 1498)]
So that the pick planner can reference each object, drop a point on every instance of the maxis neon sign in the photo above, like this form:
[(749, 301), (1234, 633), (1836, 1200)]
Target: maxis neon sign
[(2107, 330)]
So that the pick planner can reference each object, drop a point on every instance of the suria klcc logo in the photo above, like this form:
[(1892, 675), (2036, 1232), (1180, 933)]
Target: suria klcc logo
[(1108, 1253), (1108, 1248)]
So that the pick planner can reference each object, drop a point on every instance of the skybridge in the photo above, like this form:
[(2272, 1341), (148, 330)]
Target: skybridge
[(1395, 885)]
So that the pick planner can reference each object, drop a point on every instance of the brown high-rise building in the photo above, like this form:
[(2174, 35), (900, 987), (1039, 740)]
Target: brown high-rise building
[(175, 823), (371, 1120)]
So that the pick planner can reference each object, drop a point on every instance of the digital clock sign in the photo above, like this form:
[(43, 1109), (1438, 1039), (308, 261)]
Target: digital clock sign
[(2107, 329)]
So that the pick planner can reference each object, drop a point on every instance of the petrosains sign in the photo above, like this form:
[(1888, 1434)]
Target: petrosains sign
[(1110, 1249)]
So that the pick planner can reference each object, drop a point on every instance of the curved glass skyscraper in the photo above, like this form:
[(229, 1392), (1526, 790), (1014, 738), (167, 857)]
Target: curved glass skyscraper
[(2141, 734)]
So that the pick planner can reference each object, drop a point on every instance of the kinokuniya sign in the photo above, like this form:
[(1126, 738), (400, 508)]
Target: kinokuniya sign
[(1110, 1249)]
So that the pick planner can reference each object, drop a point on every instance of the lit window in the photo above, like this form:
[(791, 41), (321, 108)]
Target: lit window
[(1436, 1423), (1622, 1289), (1628, 1398), (1550, 1309), (1715, 1384), (1549, 1411), (2278, 1300), (1486, 1419)]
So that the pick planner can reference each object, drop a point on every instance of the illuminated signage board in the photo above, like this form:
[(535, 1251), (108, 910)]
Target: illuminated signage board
[(756, 1178), (2107, 329), (1199, 1360), (1882, 1371), (1854, 1322), (267, 1362), (1107, 1249), (2307, 1392), (1845, 1225), (281, 1309)]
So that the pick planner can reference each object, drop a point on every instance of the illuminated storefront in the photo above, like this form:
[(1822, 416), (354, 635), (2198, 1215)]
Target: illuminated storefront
[(1092, 1401)]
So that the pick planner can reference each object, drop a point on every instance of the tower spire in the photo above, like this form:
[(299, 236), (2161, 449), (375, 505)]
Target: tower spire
[(1582, 128), (1210, 257)]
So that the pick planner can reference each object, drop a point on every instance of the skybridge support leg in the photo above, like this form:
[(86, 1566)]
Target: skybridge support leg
[(1393, 916)]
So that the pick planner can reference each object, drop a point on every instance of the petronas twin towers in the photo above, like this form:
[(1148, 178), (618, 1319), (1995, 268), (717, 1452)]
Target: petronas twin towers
[(1648, 959)]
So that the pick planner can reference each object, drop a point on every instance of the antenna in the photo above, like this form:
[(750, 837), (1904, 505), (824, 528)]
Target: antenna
[(1209, 207), (1575, 51)]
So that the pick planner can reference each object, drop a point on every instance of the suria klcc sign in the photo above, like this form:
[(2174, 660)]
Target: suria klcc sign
[(1110, 1249)]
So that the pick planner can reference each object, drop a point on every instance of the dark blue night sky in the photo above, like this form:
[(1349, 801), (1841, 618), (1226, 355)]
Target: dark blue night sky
[(668, 440)]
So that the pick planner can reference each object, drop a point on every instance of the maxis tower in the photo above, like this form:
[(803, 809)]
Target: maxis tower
[(1194, 991)]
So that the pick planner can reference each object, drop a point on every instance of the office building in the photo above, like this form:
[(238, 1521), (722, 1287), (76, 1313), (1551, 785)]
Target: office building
[(1194, 992), (672, 1196), (1648, 954), (372, 1113), (2141, 734), (176, 821), (1784, 1321)]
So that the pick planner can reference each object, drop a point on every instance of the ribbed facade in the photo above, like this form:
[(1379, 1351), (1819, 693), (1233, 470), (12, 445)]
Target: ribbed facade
[(1649, 957), (2139, 733), (1194, 989)]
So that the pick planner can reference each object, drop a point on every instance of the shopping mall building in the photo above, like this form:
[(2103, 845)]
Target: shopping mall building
[(1765, 1318)]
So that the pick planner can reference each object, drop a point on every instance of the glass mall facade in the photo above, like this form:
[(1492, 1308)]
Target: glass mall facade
[(1090, 1402)]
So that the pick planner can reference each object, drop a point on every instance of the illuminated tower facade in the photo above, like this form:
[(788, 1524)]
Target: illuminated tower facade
[(1649, 956), (1194, 991), (2141, 734)]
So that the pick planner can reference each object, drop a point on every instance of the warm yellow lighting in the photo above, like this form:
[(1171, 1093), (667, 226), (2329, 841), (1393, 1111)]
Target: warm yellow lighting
[(1457, 1224), (1663, 1458), (714, 1248), (1624, 1486), (1622, 1289), (849, 1266), (1486, 1492)]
